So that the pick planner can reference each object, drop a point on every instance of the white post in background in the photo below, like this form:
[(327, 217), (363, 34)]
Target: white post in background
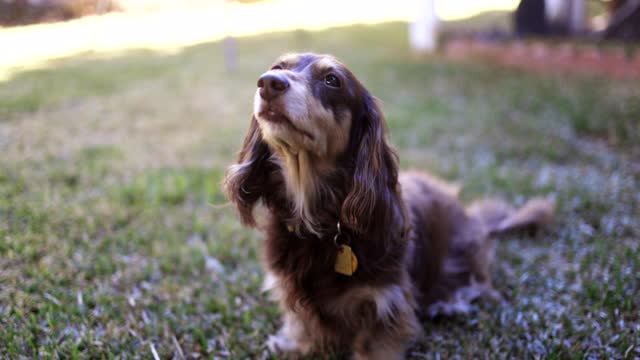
[(577, 17), (423, 31), (557, 11)]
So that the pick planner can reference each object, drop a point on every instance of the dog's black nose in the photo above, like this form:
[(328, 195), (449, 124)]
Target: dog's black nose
[(272, 85)]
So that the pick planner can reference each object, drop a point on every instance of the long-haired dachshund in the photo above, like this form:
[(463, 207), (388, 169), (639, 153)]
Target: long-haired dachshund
[(355, 252)]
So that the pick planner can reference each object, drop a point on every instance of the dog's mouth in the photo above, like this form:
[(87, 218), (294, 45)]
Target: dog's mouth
[(271, 115), (274, 116)]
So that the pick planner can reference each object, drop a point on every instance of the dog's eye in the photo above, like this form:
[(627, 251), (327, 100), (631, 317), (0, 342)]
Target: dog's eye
[(332, 80), (276, 67)]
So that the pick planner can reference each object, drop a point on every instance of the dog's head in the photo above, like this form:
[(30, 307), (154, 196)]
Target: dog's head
[(306, 103), (312, 109)]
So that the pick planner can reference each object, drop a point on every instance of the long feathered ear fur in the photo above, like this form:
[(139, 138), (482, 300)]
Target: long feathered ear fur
[(371, 202), (245, 180)]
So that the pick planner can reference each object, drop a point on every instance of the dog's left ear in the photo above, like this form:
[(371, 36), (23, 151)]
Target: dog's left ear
[(244, 181), (369, 203)]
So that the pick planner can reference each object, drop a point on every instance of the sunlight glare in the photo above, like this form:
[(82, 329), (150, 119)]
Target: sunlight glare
[(34, 45)]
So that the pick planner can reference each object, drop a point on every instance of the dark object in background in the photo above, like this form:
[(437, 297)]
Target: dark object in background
[(614, 5), (530, 18), (625, 21), (25, 12)]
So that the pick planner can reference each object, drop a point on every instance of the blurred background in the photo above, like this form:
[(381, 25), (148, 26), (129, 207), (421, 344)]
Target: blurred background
[(118, 119), (73, 26)]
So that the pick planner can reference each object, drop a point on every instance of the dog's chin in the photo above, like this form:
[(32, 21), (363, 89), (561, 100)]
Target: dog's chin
[(274, 123), (278, 130)]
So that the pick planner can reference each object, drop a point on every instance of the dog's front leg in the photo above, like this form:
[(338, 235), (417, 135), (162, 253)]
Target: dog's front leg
[(379, 346), (293, 338), (387, 340)]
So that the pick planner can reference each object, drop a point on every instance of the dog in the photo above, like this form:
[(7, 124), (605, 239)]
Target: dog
[(355, 252)]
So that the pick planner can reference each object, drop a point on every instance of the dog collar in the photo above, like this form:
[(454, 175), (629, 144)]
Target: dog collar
[(346, 261)]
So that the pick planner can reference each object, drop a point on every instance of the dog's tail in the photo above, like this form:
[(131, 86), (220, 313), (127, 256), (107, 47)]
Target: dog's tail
[(500, 217)]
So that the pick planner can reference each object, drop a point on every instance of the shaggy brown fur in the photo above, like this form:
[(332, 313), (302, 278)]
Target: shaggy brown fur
[(316, 155)]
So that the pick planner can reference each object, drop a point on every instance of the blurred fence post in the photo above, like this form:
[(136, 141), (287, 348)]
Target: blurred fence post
[(102, 7), (577, 17), (423, 31), (229, 44)]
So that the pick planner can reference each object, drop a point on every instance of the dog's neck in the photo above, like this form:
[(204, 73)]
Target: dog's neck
[(305, 178)]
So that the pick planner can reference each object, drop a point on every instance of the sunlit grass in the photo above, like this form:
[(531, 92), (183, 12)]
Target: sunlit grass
[(32, 46)]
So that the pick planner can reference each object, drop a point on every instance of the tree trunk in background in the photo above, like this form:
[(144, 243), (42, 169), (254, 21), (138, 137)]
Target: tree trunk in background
[(530, 18)]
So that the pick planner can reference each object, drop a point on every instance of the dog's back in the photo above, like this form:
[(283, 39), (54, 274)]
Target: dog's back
[(451, 247)]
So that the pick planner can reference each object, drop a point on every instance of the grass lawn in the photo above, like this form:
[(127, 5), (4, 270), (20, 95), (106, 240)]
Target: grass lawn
[(115, 239)]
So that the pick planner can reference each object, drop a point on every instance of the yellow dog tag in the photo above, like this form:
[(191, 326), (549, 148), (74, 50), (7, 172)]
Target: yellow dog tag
[(346, 261)]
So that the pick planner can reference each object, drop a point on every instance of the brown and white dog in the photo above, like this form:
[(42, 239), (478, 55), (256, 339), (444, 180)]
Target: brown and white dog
[(355, 252)]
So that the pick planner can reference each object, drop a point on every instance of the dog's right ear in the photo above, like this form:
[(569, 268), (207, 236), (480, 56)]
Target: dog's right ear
[(370, 202), (244, 181)]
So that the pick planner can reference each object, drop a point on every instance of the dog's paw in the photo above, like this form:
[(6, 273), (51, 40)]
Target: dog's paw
[(279, 344), (448, 309), (495, 296)]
